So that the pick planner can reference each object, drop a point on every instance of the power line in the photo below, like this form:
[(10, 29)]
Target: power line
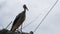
[(32, 21), (2, 26), (8, 25), (45, 16)]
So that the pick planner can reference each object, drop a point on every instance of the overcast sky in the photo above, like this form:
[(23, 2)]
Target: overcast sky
[(9, 9)]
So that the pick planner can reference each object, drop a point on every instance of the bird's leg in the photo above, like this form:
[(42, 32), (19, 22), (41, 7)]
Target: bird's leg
[(21, 28)]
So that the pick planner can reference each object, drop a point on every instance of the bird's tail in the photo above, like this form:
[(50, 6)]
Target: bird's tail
[(13, 29)]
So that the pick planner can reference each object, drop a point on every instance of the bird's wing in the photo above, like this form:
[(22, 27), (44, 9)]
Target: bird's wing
[(17, 18)]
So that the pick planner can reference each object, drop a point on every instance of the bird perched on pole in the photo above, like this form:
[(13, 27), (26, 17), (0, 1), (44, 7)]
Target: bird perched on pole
[(19, 19)]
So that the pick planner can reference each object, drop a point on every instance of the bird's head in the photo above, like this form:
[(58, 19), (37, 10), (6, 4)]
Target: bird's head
[(25, 7)]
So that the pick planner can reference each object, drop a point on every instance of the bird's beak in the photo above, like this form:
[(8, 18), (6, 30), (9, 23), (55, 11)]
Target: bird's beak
[(27, 9)]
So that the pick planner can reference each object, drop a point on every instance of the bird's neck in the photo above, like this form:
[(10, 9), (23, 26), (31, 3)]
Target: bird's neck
[(24, 9)]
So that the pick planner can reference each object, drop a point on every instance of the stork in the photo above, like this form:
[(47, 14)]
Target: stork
[(19, 19)]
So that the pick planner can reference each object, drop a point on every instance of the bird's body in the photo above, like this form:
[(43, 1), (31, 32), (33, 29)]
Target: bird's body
[(18, 20)]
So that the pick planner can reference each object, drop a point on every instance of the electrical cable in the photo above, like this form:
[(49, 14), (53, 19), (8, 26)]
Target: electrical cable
[(45, 16), (8, 25), (31, 21)]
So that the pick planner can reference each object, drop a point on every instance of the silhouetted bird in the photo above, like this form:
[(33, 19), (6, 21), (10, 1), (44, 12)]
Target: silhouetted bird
[(19, 19)]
